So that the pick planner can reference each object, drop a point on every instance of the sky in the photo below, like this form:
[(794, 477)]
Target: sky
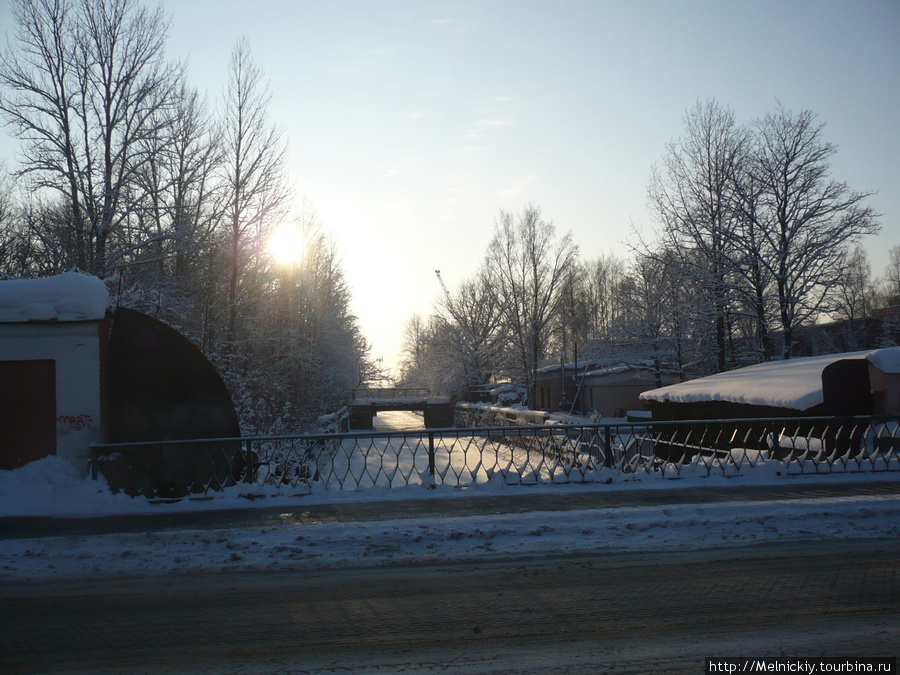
[(412, 124)]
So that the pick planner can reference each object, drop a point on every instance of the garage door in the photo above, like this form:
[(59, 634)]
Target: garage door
[(27, 411)]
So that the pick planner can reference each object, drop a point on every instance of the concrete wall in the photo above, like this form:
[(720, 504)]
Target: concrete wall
[(75, 347)]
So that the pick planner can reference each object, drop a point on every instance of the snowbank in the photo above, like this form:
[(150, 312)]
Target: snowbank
[(287, 545), (66, 297)]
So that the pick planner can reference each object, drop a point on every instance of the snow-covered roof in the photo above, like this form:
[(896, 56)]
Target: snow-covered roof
[(607, 372), (795, 383), (596, 369), (65, 297), (555, 367)]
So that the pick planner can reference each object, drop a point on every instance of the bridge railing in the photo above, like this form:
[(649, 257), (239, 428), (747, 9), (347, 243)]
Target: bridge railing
[(390, 392), (508, 455)]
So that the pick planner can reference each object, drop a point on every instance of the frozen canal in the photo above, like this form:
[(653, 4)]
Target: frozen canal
[(367, 459), (398, 420)]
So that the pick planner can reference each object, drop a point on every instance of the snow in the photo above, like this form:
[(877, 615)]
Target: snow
[(52, 487), (794, 383), (71, 296)]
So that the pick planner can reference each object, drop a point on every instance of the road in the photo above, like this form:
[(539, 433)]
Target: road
[(634, 612)]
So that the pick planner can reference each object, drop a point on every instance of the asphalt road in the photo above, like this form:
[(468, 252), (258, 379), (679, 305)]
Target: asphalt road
[(637, 613)]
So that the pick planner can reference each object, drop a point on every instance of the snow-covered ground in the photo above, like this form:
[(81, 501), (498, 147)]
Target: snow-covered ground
[(52, 487)]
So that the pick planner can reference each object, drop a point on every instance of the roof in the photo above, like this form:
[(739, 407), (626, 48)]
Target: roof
[(794, 383), (595, 369), (71, 296)]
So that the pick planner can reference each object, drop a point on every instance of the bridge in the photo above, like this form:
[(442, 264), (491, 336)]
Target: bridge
[(368, 401)]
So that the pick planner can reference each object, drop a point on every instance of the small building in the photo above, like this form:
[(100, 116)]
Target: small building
[(855, 383), (587, 388), (53, 334), (837, 385), (73, 372)]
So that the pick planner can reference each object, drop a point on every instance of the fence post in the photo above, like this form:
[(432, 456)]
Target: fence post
[(607, 450), (431, 456), (248, 462)]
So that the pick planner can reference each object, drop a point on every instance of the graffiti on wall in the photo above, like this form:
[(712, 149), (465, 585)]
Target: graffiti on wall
[(75, 423)]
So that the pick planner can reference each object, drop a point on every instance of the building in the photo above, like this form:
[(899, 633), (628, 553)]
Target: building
[(855, 383), (837, 385), (53, 337), (589, 388), (73, 372)]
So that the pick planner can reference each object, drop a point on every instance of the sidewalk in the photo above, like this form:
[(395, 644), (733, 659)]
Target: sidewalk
[(515, 500)]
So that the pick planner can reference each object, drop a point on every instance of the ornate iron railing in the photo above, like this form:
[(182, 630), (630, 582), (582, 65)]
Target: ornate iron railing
[(512, 455)]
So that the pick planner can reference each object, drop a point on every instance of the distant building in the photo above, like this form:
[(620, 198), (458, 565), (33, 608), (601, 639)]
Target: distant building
[(610, 391)]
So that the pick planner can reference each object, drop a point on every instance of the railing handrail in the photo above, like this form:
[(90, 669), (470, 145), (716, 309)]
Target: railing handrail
[(513, 429)]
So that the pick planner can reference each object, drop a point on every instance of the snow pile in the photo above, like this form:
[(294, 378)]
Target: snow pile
[(288, 545), (66, 297), (886, 360), (53, 486), (794, 384)]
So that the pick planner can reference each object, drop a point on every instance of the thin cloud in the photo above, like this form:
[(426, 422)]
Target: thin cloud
[(483, 126), (519, 183)]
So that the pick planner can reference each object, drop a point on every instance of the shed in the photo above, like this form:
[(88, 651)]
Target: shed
[(836, 385), (53, 335), (855, 383), (73, 373), (592, 388)]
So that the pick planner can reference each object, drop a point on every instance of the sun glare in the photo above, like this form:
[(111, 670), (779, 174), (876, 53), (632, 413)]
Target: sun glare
[(286, 244)]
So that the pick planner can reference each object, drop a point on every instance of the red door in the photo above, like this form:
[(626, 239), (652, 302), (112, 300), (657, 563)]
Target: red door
[(27, 411)]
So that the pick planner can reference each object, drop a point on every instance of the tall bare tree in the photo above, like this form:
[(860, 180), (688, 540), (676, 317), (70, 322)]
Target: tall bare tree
[(889, 282), (83, 86), (852, 295), (531, 266), (254, 154), (806, 218), (603, 277), (692, 195), (467, 332), (415, 335), (40, 98)]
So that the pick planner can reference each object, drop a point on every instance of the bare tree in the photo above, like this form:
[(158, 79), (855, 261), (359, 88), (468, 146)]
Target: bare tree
[(84, 88), (806, 219), (660, 325), (889, 283), (603, 279), (40, 97), (750, 250), (691, 195), (852, 294), (253, 168), (415, 334), (467, 332), (11, 239), (531, 266)]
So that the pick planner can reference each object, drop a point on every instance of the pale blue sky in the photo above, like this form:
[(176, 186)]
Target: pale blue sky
[(412, 123)]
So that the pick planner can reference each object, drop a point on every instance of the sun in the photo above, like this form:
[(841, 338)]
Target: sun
[(286, 245)]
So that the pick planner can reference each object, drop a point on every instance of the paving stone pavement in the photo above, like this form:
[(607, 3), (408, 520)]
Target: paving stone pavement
[(598, 612), (629, 612)]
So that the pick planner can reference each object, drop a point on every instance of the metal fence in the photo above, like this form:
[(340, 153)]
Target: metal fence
[(511, 455)]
